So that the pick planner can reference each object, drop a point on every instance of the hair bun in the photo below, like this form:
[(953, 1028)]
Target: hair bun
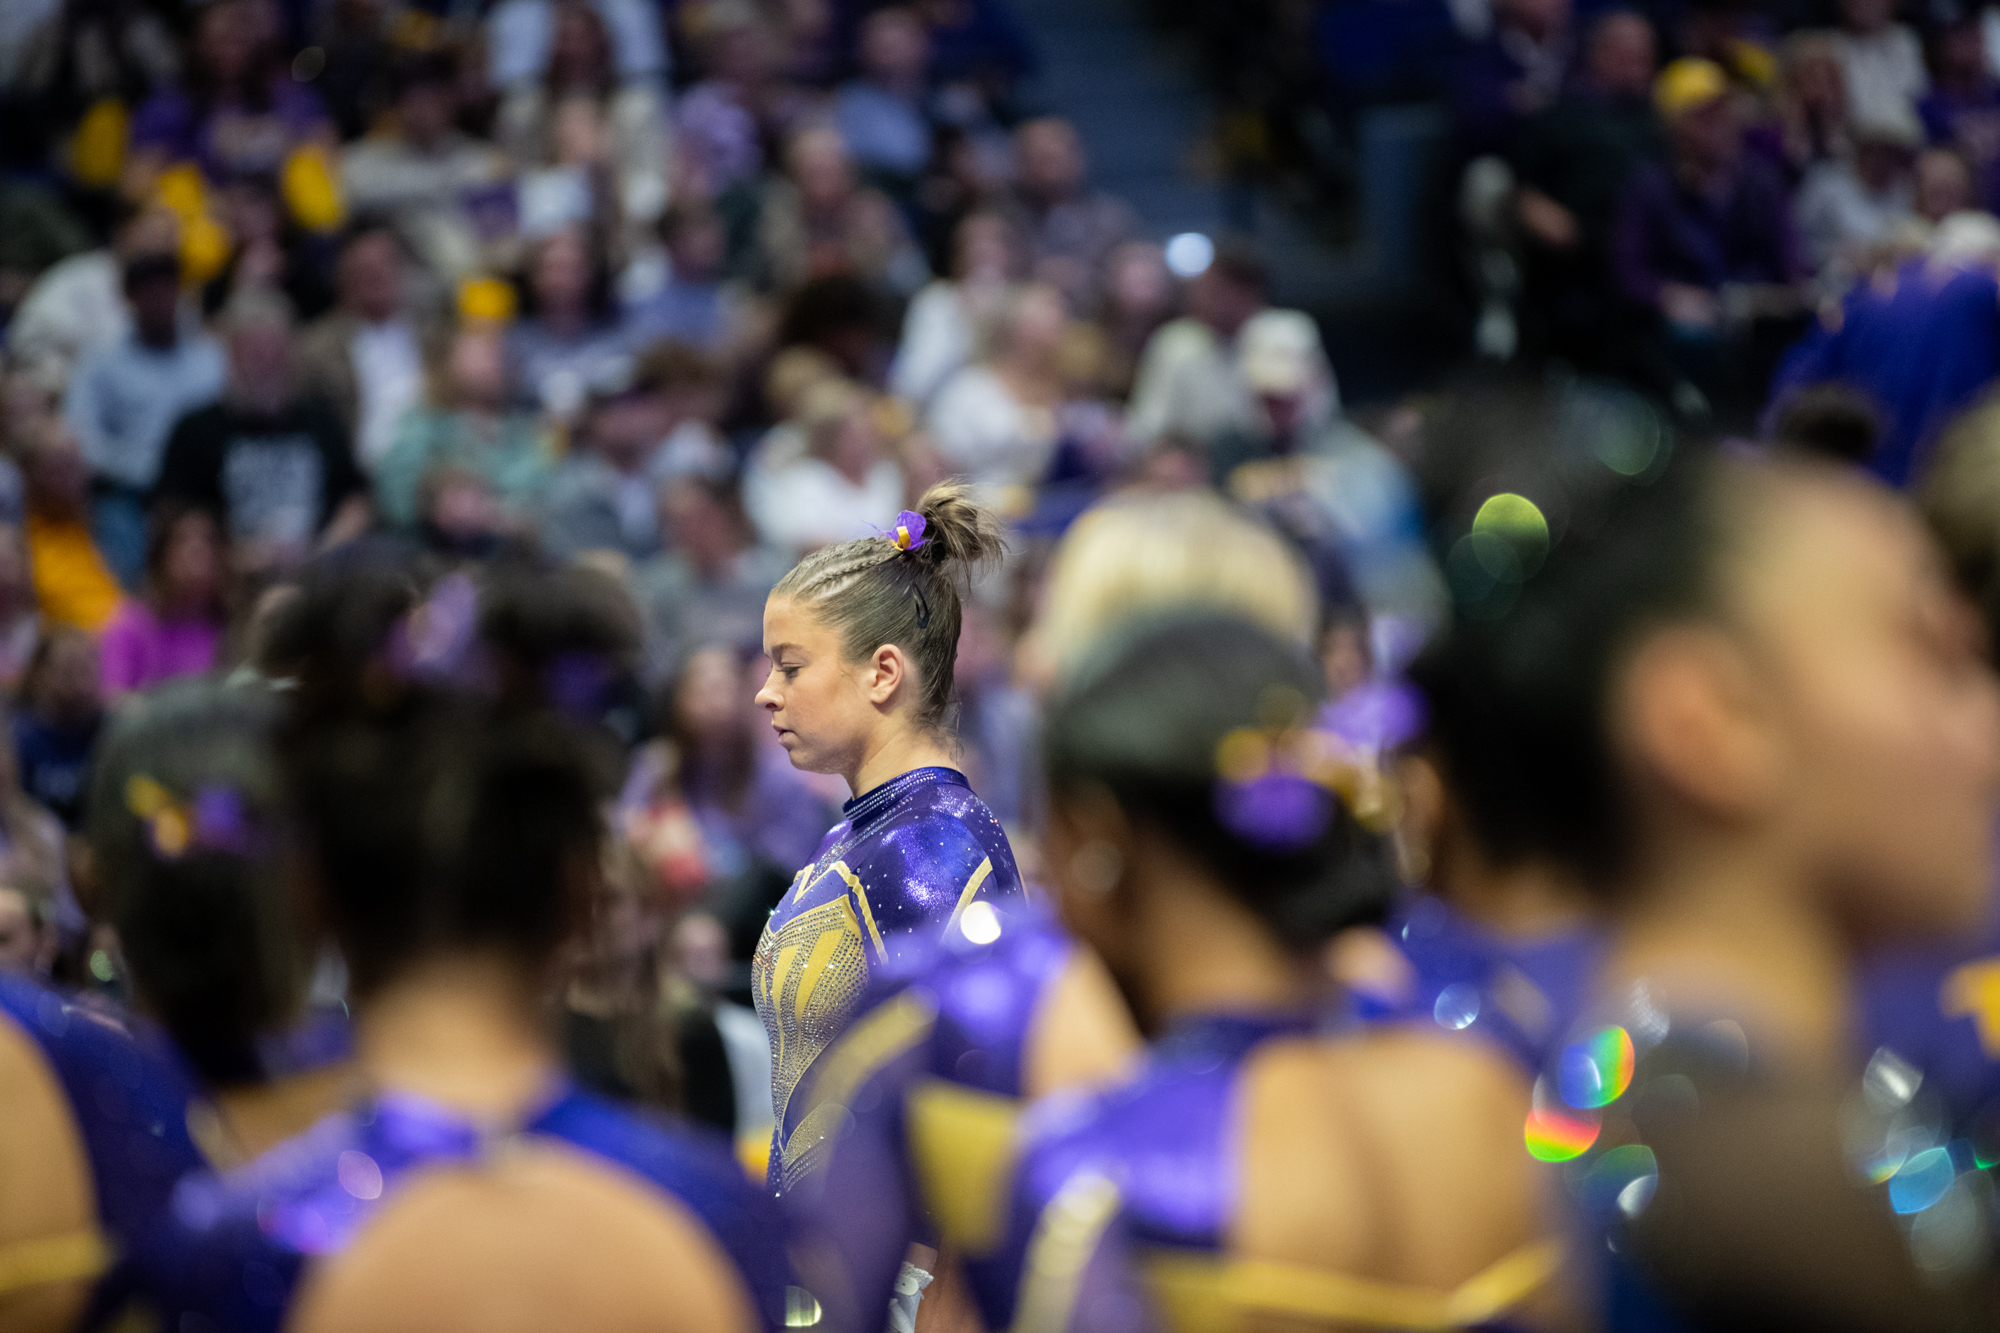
[(957, 529)]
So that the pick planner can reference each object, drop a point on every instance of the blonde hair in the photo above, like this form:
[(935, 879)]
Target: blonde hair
[(1192, 551)]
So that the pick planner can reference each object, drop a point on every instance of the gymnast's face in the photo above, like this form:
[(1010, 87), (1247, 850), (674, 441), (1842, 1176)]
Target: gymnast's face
[(820, 705), (1841, 712)]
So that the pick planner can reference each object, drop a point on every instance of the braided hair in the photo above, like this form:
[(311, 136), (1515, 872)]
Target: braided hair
[(894, 589)]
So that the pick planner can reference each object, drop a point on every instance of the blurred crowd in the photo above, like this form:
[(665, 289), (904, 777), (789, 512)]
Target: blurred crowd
[(674, 293)]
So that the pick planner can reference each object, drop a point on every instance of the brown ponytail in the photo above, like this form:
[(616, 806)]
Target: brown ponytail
[(873, 592)]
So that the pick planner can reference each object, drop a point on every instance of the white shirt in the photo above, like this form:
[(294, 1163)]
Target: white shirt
[(1885, 75), (988, 435), (811, 504), (389, 377)]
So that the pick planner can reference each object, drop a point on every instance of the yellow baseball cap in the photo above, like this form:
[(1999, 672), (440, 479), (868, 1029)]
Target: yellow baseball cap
[(1687, 85)]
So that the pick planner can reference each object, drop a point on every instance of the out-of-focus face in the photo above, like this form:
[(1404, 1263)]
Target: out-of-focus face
[(58, 479), (260, 362), (1038, 323), (821, 168), (478, 369), (698, 249), (156, 306), (1048, 159), (70, 686), (818, 703), (226, 41), (1622, 56), (578, 53), (562, 272), (191, 566), (895, 46), (1708, 135), (371, 277), (703, 530), (1943, 185), (1961, 54), (1866, 15), (20, 939), (1886, 714), (708, 698), (986, 251), (853, 445), (425, 111), (1818, 82), (1139, 282)]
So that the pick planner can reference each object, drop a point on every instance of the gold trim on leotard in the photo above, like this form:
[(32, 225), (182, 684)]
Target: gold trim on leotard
[(1207, 1292), (46, 1259)]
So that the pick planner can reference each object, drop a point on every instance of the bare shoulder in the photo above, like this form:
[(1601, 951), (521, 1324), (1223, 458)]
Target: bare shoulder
[(47, 1209)]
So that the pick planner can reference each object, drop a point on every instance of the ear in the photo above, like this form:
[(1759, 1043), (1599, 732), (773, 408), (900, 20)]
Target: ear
[(888, 670), (1091, 851), (1696, 720)]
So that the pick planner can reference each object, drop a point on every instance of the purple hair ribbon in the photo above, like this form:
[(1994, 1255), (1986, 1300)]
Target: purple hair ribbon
[(908, 534)]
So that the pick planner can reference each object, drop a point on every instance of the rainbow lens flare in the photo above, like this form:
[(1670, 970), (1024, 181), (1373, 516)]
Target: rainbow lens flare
[(1555, 1135), (1596, 1071)]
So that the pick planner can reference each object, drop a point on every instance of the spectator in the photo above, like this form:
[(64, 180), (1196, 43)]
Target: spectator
[(1705, 244), (1188, 384), (1572, 165), (55, 729), (20, 618), (240, 114), (847, 485), (175, 627), (273, 462), (73, 586), (1882, 60), (524, 38), (1511, 74), (690, 389), (601, 497), (711, 580), (1962, 111), (1921, 343), (722, 122), (29, 939), (818, 221), (884, 113), (1139, 296), (996, 421), (941, 325), (425, 175), (1850, 211), (580, 122), (1942, 186), (469, 425), (78, 304), (125, 399), (1071, 227), (569, 336), (691, 304), (363, 358), (1812, 117)]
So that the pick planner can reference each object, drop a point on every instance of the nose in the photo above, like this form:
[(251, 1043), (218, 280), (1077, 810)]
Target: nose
[(767, 698)]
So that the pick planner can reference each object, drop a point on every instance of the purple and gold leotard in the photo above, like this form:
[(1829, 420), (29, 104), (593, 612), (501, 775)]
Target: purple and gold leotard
[(925, 1087), (889, 881)]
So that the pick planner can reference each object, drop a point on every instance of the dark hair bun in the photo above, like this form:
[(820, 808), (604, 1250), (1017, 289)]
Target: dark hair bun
[(1147, 720)]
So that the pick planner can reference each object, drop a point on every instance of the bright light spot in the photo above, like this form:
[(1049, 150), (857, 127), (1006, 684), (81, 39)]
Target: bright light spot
[(1189, 254), (1515, 520), (1457, 1006), (980, 924), (359, 1175), (801, 1309)]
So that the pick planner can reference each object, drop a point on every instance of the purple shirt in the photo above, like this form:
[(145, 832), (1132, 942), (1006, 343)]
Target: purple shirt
[(139, 650), (1668, 233), (228, 140)]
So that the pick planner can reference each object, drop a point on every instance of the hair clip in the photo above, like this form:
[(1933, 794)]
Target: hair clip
[(909, 531), (1276, 789), (438, 641), (215, 820)]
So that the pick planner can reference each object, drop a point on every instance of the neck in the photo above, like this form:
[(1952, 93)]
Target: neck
[(899, 753), (1206, 954), (464, 1032), (258, 1117), (1730, 932)]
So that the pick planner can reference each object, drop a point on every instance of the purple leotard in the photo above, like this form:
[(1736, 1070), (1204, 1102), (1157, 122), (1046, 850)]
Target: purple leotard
[(129, 1100), (888, 882), (237, 1243), (935, 1056)]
